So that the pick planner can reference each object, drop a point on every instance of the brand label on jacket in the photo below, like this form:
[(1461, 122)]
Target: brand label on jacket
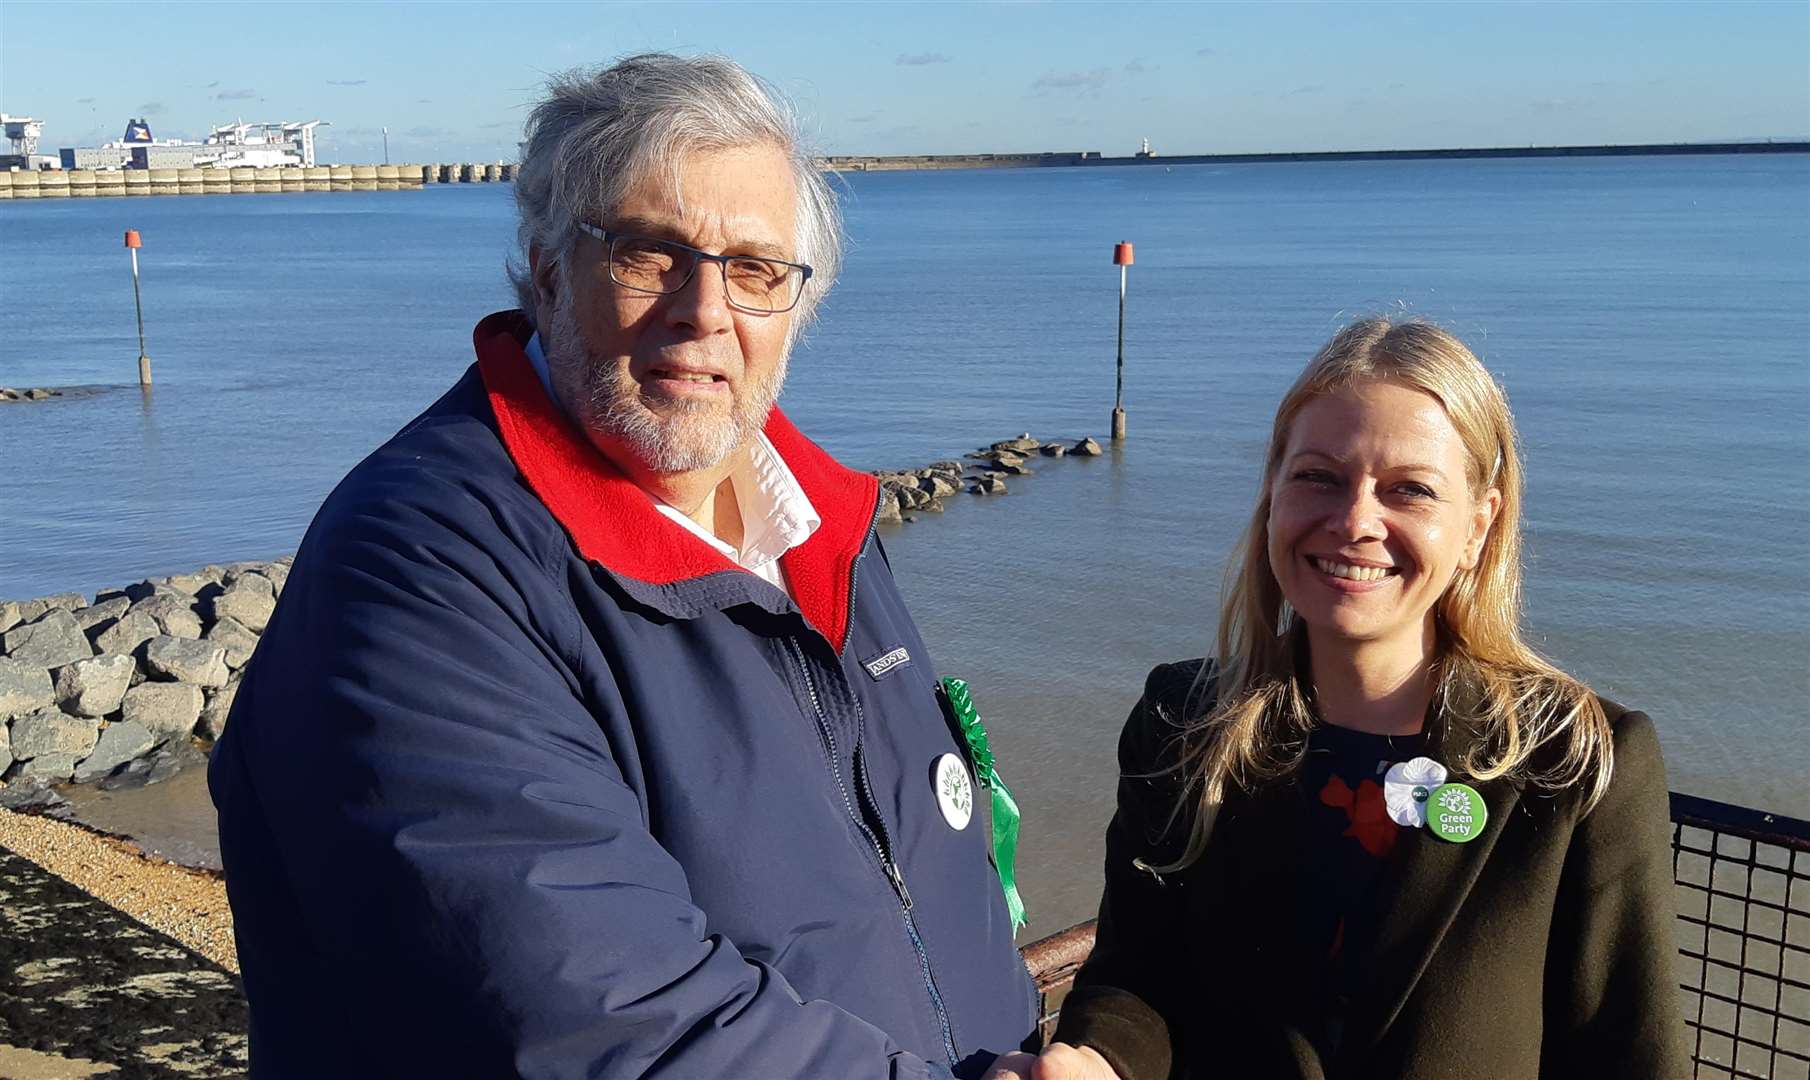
[(886, 663)]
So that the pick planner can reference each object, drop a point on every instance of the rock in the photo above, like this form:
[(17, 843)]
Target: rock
[(46, 768), (934, 506), (6, 748), (118, 744), (185, 660), (67, 601), (171, 759), (219, 707), (250, 578), (49, 731), (888, 513), (230, 634), (278, 573), (167, 710), (173, 612), (134, 592), (1052, 449), (1012, 468), (9, 615), (988, 485), (938, 485), (29, 610), (52, 641), (1000, 457), (189, 583), (94, 687), (125, 634), (1086, 448), (7, 393), (36, 393), (100, 611), (247, 602), (1022, 442), (913, 498), (29, 795), (23, 688), (947, 468)]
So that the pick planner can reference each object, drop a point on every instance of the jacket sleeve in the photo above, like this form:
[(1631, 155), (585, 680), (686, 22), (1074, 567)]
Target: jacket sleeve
[(1123, 998), (1612, 1006), (460, 841)]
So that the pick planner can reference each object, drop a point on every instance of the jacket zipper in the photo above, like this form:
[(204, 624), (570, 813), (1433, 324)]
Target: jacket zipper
[(911, 926), (898, 879), (880, 841)]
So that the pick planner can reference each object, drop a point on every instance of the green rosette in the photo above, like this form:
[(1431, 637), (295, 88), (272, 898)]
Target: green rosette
[(1005, 808)]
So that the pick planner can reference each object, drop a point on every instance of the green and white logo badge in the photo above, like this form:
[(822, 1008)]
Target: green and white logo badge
[(1456, 813), (954, 791)]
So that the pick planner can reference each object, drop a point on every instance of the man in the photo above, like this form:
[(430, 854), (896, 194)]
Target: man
[(591, 736)]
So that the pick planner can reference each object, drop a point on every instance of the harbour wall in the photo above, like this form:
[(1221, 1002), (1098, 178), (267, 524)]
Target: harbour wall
[(83, 183), (1085, 158)]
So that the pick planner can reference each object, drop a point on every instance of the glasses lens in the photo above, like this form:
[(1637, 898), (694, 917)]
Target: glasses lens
[(761, 284), (649, 265)]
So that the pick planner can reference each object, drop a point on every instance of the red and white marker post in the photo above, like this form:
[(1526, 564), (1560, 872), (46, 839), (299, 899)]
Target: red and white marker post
[(1121, 258), (133, 243)]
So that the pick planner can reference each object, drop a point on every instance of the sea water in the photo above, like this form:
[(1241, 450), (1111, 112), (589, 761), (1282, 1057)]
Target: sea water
[(1649, 317)]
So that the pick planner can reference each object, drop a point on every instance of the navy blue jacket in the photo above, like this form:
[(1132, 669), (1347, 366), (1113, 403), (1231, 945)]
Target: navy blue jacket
[(527, 780)]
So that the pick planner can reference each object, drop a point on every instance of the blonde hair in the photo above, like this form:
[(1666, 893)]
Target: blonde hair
[(1248, 715)]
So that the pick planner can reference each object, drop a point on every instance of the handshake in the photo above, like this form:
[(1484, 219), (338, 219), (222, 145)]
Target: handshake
[(1059, 1061)]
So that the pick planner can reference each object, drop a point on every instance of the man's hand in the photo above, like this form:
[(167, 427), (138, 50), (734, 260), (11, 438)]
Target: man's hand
[(1061, 1061), (1016, 1065)]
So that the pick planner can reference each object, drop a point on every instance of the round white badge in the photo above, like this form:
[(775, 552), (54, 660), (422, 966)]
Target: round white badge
[(1406, 788), (954, 791)]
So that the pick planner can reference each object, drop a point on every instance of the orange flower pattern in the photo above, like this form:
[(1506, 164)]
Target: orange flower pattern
[(1368, 818)]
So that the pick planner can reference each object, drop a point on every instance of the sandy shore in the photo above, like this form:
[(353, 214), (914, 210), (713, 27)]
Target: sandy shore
[(188, 905)]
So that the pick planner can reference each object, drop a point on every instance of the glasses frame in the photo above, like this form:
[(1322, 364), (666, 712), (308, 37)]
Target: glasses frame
[(609, 237)]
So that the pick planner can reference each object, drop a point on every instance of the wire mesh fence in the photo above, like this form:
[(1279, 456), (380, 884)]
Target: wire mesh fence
[(1743, 933)]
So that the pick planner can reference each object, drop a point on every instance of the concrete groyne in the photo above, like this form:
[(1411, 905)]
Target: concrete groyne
[(85, 183)]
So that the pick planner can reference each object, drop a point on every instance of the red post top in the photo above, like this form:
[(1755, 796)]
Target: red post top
[(1121, 253), (132, 240)]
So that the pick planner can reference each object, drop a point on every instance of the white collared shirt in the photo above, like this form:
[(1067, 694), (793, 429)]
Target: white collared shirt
[(777, 515)]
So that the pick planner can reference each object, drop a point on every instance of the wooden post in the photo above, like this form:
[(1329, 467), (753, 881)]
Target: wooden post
[(1122, 258), (133, 243)]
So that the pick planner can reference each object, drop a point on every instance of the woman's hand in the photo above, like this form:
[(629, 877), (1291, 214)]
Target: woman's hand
[(1061, 1061)]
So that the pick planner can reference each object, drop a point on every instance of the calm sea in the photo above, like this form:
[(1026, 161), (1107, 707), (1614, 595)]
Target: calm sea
[(1649, 317)]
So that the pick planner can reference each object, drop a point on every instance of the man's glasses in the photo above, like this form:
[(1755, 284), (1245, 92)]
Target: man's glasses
[(663, 267)]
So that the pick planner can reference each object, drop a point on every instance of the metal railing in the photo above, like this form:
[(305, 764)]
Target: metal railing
[(1743, 881)]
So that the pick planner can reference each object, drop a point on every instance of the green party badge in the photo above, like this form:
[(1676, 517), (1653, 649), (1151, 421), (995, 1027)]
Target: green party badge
[(1455, 812)]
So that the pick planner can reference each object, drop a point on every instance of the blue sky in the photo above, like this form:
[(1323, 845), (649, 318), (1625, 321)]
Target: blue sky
[(454, 80)]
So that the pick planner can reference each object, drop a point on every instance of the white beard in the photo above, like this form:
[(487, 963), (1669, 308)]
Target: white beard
[(691, 435)]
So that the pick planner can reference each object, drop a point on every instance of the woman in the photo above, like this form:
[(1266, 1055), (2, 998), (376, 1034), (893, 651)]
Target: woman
[(1378, 836)]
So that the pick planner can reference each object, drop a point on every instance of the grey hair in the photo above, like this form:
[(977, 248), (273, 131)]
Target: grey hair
[(600, 132)]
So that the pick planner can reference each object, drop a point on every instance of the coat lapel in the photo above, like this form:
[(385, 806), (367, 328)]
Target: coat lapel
[(1421, 890)]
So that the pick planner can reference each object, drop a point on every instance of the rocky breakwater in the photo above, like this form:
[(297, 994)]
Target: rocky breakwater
[(34, 393), (920, 491), (126, 688)]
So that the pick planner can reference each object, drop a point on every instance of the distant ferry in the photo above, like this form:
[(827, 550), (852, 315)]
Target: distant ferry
[(233, 146)]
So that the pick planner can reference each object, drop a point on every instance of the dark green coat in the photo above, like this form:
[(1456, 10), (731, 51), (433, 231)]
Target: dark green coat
[(1541, 950)]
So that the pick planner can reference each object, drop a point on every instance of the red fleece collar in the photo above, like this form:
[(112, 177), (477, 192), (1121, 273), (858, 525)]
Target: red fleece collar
[(614, 523)]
